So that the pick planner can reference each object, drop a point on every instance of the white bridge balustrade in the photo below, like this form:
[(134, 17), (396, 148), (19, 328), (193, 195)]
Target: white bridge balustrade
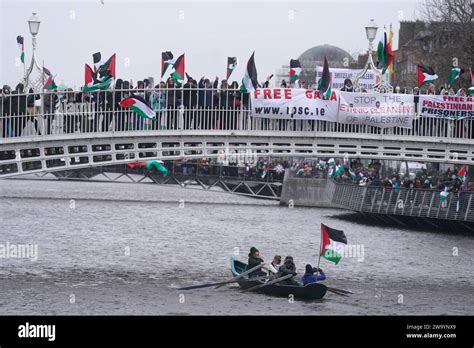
[(53, 131)]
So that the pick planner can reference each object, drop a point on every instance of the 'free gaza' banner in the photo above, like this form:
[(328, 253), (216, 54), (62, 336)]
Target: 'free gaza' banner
[(376, 109), (446, 106), (293, 103)]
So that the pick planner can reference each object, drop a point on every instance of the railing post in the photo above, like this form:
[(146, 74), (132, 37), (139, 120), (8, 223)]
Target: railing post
[(468, 206)]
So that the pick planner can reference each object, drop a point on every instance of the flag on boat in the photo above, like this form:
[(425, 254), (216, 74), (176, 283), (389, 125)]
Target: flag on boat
[(384, 53), (454, 74), (96, 57), (426, 75), (139, 105), (324, 83), (231, 65), (250, 81), (150, 165), (107, 70), (166, 61), (20, 41), (332, 243), (295, 70), (178, 73)]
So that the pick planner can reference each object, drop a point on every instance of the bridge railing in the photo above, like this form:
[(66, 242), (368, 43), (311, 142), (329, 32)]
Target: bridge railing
[(404, 201), (66, 112)]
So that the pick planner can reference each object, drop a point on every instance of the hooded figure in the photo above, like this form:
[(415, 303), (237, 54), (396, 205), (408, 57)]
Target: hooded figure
[(309, 276), (287, 268), (255, 260)]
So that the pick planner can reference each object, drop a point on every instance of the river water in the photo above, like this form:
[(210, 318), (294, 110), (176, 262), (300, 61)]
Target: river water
[(118, 248)]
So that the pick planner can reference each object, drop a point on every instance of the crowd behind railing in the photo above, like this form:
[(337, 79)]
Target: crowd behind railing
[(450, 180), (197, 105)]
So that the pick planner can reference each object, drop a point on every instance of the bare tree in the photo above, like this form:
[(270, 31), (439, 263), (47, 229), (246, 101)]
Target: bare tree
[(452, 35)]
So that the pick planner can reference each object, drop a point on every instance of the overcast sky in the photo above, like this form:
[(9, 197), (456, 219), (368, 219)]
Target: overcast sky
[(206, 31)]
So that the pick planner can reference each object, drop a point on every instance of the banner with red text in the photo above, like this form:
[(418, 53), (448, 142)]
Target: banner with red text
[(297, 104), (376, 109), (446, 106)]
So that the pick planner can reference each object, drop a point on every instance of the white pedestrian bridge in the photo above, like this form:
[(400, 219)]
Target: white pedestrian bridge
[(78, 133)]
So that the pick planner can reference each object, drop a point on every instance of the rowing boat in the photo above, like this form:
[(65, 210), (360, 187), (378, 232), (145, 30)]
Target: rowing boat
[(313, 291)]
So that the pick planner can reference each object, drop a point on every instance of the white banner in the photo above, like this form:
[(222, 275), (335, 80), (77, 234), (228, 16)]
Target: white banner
[(376, 109), (298, 104), (446, 106), (339, 75)]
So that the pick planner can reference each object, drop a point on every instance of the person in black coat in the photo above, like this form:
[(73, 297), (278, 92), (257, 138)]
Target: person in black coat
[(287, 268), (255, 260)]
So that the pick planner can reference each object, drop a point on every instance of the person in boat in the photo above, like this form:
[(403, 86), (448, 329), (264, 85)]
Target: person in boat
[(309, 276), (255, 260), (273, 266), (288, 267)]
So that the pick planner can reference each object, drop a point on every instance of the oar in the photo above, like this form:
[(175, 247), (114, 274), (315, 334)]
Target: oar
[(340, 290), (268, 283), (219, 283), (337, 292), (241, 275)]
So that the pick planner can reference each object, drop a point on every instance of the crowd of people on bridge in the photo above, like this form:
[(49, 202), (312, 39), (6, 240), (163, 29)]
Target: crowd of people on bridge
[(203, 104)]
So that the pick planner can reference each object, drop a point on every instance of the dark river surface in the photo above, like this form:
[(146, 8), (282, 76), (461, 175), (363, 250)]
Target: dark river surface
[(118, 248)]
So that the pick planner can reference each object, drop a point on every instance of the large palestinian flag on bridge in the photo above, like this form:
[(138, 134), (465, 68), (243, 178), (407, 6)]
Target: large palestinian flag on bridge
[(166, 61), (332, 243), (231, 65), (454, 74), (249, 81), (139, 105), (384, 53), (324, 83)]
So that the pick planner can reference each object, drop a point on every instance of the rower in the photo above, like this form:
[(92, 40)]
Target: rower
[(272, 268), (288, 267), (255, 260), (309, 276)]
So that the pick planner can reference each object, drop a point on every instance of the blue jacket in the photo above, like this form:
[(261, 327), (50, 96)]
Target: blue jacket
[(312, 278)]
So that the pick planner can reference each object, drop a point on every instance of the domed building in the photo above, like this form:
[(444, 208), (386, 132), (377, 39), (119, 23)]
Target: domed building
[(313, 57)]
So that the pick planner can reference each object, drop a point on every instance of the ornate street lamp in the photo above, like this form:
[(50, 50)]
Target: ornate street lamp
[(34, 24), (381, 85)]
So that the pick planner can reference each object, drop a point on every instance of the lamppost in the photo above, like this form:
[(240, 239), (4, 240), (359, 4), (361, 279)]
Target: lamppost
[(34, 24), (381, 85)]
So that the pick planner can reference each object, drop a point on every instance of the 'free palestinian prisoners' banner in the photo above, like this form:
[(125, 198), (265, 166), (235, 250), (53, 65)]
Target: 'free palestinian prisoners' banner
[(339, 75), (376, 109), (297, 104), (446, 106)]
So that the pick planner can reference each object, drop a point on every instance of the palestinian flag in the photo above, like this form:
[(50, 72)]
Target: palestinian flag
[(166, 61), (384, 53), (49, 84), (426, 75), (249, 81), (454, 74), (470, 91), (339, 171), (295, 70), (324, 83), (331, 162), (231, 65), (20, 42), (178, 73), (443, 196), (462, 174), (150, 165), (96, 57), (332, 243), (107, 70), (139, 105)]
